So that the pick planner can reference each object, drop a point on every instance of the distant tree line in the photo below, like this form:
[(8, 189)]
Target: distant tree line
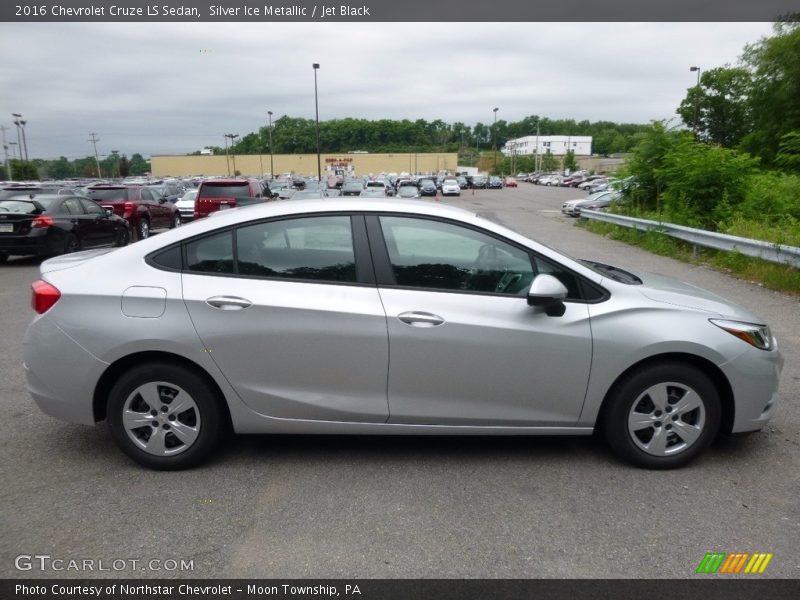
[(63, 168), (293, 135)]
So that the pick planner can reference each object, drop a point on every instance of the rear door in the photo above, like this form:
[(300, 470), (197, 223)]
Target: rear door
[(289, 311)]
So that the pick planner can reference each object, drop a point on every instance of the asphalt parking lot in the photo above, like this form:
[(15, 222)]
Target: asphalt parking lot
[(399, 507)]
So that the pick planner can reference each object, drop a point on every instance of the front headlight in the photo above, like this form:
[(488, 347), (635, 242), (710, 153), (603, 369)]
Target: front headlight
[(756, 335)]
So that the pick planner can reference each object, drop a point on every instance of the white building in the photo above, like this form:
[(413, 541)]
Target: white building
[(557, 145)]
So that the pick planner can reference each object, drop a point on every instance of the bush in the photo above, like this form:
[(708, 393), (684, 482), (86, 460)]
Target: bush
[(704, 184)]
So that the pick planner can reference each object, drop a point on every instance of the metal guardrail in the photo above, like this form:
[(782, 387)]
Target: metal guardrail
[(776, 253)]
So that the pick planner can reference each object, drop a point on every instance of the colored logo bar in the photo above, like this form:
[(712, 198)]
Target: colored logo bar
[(734, 562)]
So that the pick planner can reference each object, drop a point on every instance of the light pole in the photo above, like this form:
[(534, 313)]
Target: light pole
[(271, 165), (227, 159), (494, 137), (316, 108), (18, 122), (697, 99), (232, 136), (12, 150)]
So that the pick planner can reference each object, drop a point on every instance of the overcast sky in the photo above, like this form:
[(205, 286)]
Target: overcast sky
[(174, 88)]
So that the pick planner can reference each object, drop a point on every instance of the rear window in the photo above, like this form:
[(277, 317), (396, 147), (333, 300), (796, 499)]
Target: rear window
[(108, 195), (24, 207), (228, 190)]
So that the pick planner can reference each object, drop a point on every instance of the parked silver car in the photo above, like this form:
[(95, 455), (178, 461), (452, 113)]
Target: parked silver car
[(398, 317)]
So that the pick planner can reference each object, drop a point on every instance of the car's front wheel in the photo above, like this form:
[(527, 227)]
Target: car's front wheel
[(662, 416), (164, 416), (143, 229), (176, 221)]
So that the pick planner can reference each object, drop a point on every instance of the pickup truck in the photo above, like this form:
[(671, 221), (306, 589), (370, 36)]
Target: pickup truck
[(219, 194)]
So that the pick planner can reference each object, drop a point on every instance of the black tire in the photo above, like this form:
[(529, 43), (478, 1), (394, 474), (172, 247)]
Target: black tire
[(210, 419), (3, 257), (143, 229), (122, 237), (71, 244), (176, 221), (629, 398)]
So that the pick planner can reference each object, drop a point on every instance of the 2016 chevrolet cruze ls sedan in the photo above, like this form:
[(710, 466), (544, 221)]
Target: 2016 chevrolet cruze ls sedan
[(398, 317)]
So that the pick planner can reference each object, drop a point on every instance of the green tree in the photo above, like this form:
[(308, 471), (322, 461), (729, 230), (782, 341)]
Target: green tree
[(703, 184), (138, 165), (549, 162), (647, 163), (569, 161), (23, 170), (719, 110), (788, 157), (124, 166), (775, 93)]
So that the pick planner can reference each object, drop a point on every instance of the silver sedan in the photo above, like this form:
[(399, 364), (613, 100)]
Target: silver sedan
[(403, 317)]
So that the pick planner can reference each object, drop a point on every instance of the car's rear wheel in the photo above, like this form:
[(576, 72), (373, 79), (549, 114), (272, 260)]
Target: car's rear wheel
[(164, 416), (122, 237), (71, 243), (662, 416), (3, 257)]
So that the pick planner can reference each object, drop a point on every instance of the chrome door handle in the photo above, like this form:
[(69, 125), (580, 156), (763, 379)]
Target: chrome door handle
[(228, 302), (420, 319)]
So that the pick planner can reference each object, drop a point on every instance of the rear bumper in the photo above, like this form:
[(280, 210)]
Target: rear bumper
[(26, 246), (60, 374)]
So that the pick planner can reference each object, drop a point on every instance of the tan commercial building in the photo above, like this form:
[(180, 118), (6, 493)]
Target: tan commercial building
[(302, 164)]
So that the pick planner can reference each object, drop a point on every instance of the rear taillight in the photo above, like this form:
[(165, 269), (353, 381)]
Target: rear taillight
[(127, 207), (42, 222), (44, 296)]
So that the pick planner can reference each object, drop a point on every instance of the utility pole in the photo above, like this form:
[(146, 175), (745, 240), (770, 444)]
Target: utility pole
[(271, 165), (5, 150), (94, 141)]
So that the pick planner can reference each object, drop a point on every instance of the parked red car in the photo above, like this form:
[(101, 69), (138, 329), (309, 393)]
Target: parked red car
[(142, 207), (510, 182), (219, 194)]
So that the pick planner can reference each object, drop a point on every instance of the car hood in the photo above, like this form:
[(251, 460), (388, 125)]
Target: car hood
[(664, 289), (67, 261)]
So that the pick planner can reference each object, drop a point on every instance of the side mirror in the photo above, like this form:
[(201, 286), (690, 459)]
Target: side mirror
[(549, 293), (109, 212)]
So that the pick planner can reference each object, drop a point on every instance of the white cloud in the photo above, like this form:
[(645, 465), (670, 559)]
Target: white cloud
[(163, 88)]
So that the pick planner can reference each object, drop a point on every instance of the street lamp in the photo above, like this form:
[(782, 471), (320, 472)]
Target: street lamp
[(232, 137), (316, 108), (271, 165), (494, 137), (12, 150), (697, 99), (21, 142)]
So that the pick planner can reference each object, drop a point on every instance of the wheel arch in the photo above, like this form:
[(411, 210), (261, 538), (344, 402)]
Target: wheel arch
[(714, 373), (121, 365)]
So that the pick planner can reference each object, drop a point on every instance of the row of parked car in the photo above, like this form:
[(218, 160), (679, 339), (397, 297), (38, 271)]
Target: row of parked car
[(60, 217)]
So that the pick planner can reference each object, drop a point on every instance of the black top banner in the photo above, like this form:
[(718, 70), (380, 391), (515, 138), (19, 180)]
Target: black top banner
[(395, 10)]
